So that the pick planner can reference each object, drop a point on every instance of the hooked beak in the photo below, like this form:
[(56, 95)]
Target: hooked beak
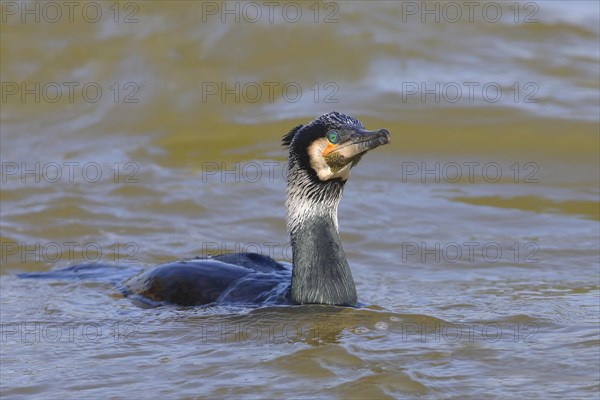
[(359, 143)]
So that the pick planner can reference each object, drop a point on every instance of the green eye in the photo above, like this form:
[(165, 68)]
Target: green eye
[(333, 137)]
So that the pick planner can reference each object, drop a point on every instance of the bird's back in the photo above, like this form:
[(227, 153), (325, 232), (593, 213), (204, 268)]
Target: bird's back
[(227, 278)]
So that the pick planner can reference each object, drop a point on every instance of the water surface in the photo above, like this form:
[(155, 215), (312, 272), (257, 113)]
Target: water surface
[(472, 237)]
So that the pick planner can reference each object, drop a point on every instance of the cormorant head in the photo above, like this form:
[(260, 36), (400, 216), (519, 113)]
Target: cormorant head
[(328, 147)]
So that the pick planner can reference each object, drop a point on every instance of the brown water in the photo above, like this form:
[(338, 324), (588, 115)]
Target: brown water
[(473, 238)]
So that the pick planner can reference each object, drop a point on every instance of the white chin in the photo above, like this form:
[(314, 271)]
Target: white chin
[(326, 174)]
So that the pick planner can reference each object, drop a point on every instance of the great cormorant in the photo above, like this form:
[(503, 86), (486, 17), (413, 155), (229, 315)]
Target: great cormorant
[(321, 155)]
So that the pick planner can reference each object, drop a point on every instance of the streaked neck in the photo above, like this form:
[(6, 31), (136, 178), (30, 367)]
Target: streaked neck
[(321, 274)]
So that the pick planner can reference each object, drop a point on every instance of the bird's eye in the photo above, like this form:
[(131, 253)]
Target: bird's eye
[(333, 136)]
